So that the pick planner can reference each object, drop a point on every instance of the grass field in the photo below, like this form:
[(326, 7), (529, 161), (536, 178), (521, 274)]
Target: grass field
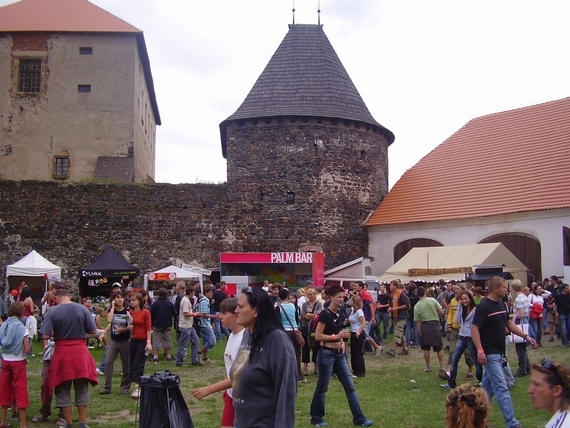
[(395, 393)]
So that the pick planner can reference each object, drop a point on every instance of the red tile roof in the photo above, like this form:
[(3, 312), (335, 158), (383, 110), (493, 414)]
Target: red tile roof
[(508, 162), (60, 16)]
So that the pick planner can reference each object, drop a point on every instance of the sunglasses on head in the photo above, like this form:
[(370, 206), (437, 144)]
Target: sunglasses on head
[(549, 365)]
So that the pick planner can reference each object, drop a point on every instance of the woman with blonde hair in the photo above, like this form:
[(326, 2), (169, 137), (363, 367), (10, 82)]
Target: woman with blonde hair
[(467, 407), (357, 339), (550, 390)]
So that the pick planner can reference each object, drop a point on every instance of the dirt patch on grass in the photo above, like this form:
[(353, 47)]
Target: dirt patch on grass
[(123, 415)]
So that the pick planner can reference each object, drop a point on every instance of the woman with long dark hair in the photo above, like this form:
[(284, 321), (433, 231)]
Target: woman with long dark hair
[(357, 339), (464, 316), (331, 357), (120, 323), (264, 374), (140, 340)]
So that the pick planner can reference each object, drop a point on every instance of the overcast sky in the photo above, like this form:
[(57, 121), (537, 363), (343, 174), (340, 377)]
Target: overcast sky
[(424, 68)]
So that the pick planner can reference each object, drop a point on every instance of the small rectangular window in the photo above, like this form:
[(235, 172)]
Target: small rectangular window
[(84, 88), (61, 167), (85, 50), (30, 75)]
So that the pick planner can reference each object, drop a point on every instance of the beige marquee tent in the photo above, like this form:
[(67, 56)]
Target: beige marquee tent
[(430, 264)]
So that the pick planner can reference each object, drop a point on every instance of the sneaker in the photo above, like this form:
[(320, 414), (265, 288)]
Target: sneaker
[(321, 424), (99, 372), (427, 369), (405, 351), (136, 393), (15, 416), (155, 360), (391, 353), (198, 363), (105, 391), (366, 423), (353, 376), (303, 380), (378, 352), (551, 339), (445, 386), (207, 360), (443, 374)]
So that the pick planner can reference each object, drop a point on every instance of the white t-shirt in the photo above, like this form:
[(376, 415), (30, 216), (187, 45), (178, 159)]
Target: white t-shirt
[(16, 357), (185, 306), (232, 349), (559, 420)]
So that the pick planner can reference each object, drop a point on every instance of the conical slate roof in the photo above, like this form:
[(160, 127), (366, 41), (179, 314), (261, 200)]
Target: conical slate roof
[(304, 78)]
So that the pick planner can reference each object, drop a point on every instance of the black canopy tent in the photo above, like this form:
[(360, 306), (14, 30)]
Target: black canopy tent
[(99, 276)]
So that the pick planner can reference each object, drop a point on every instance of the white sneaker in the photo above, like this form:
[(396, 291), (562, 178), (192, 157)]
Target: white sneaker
[(136, 393), (99, 372), (378, 352)]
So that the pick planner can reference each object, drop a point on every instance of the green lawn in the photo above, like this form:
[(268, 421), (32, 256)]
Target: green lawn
[(395, 393)]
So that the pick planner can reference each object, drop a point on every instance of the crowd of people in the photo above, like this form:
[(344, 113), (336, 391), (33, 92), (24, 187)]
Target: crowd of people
[(274, 334)]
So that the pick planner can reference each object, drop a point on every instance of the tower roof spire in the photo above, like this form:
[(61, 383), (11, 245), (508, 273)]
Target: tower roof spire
[(304, 77)]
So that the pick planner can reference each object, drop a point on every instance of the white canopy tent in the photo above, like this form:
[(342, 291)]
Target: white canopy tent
[(34, 265), (430, 264), (179, 274)]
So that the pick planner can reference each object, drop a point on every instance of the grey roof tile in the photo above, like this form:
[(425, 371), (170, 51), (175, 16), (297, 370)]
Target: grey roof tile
[(115, 168), (304, 77)]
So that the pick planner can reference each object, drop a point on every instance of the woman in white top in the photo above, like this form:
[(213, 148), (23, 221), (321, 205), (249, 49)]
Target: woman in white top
[(228, 319), (550, 390), (357, 339)]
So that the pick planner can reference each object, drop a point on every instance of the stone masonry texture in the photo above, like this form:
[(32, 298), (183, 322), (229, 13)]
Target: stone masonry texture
[(291, 182)]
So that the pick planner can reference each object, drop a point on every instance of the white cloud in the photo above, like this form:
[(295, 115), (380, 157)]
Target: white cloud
[(423, 68)]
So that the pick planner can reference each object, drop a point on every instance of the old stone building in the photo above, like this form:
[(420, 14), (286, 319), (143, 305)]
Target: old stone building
[(307, 165), (306, 159), (77, 99)]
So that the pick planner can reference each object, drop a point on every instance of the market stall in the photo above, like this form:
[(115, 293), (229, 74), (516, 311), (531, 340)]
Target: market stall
[(35, 270), (430, 264), (97, 279), (170, 275), (240, 270)]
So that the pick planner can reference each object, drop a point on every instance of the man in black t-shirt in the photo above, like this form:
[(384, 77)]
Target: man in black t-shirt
[(490, 323)]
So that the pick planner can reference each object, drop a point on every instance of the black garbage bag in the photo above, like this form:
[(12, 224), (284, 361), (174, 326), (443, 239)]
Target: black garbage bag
[(161, 402)]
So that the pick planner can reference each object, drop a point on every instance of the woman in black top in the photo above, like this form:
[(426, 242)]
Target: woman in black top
[(331, 332), (120, 325)]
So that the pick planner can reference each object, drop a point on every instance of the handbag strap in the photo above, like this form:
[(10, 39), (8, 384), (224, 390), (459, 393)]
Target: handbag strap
[(287, 316)]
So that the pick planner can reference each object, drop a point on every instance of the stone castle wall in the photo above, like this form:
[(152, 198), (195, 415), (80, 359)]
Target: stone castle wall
[(152, 225)]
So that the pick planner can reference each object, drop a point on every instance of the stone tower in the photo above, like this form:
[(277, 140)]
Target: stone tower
[(307, 162)]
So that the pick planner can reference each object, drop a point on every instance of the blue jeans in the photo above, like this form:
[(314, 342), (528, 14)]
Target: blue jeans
[(412, 335), (494, 383), (103, 365), (383, 318), (208, 338), (187, 335), (564, 325), (536, 326), (327, 361), (464, 342)]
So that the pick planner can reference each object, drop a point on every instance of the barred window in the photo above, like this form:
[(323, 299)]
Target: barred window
[(61, 167), (30, 75)]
